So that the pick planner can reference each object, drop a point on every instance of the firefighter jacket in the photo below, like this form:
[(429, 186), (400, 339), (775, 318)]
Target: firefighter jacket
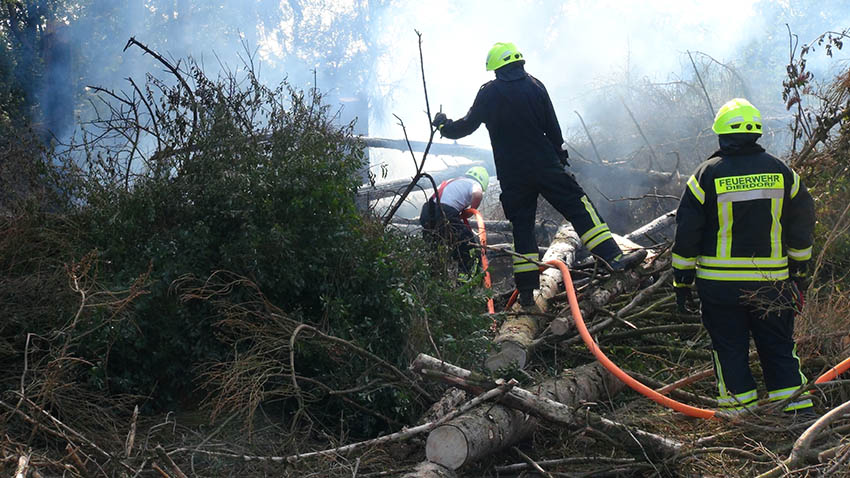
[(743, 216), (524, 130)]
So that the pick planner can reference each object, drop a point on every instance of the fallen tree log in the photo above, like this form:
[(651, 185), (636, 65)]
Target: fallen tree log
[(457, 443), (517, 333), (597, 298), (642, 235)]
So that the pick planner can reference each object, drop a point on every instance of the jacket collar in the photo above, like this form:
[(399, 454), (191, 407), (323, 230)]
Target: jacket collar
[(737, 144), (512, 71)]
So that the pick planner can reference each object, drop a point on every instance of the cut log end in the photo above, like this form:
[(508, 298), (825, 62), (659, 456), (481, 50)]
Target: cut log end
[(560, 326), (447, 446), (510, 353)]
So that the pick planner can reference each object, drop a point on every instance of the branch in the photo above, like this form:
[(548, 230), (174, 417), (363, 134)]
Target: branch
[(397, 204), (701, 84), (175, 72)]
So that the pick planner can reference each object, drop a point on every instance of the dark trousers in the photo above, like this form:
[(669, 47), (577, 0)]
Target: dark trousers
[(730, 327), (444, 225), (560, 189)]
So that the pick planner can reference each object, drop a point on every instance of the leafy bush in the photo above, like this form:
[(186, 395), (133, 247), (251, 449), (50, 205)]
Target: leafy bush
[(230, 175)]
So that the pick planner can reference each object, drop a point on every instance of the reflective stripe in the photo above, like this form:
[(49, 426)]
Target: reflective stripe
[(738, 400), (742, 275), (684, 263), (696, 189), (524, 264), (599, 240), (776, 228), (724, 231), (741, 262), (589, 207), (803, 379), (739, 410), (795, 186), (751, 195), (800, 254), (593, 231), (798, 405), (782, 393), (718, 370)]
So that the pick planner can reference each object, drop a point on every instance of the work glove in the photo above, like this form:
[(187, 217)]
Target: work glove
[(439, 120), (683, 283), (564, 155), (799, 271)]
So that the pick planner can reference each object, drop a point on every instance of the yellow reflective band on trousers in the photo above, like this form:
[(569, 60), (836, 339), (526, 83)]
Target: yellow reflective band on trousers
[(718, 370), (590, 210), (599, 240), (590, 234), (738, 401), (599, 233), (782, 394), (524, 264)]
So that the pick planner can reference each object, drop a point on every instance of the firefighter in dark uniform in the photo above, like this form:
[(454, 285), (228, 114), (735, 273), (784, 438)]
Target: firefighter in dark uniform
[(527, 149), (744, 236)]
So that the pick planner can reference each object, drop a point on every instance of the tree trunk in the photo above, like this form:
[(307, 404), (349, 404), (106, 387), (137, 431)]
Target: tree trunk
[(486, 430), (559, 405), (660, 223), (596, 299), (517, 333)]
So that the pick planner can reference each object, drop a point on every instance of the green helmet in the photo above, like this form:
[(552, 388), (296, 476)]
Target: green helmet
[(501, 54), (479, 174), (737, 116)]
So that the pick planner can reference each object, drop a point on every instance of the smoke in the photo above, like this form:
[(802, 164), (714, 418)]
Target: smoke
[(364, 54)]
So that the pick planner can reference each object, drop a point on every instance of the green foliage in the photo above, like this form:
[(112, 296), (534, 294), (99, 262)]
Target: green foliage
[(235, 176)]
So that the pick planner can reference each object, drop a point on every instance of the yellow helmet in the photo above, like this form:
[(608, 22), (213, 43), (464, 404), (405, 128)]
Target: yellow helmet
[(501, 54), (737, 116), (481, 175)]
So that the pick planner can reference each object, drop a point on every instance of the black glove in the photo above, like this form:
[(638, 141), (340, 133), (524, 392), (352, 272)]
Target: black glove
[(564, 155), (439, 120), (684, 299), (799, 271), (683, 283)]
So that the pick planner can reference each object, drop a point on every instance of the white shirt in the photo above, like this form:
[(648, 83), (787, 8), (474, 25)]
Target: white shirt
[(458, 193)]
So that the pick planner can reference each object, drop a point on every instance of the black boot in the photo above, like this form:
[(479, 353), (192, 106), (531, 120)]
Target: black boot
[(627, 261)]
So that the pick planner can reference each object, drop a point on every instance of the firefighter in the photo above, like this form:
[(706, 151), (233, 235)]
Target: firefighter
[(530, 161), (442, 216), (744, 237)]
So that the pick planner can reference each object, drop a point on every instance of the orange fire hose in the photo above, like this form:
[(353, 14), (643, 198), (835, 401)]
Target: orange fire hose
[(482, 237), (611, 366), (834, 371)]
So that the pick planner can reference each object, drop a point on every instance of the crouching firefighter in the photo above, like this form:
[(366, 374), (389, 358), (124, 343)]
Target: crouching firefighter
[(530, 160), (744, 237), (442, 216)]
